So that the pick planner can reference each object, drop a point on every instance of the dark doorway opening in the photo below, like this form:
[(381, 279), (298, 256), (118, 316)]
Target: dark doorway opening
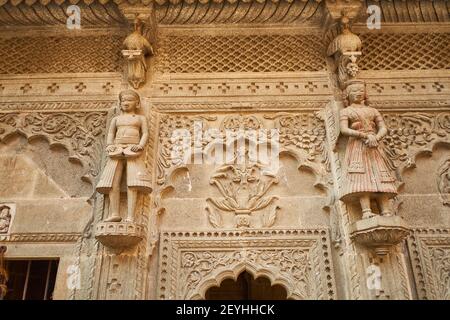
[(31, 279), (246, 288)]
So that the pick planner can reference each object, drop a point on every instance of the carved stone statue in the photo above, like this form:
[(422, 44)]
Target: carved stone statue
[(127, 137), (368, 174), (5, 219), (136, 48)]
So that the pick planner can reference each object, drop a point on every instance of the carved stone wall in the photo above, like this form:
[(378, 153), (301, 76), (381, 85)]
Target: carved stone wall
[(225, 69)]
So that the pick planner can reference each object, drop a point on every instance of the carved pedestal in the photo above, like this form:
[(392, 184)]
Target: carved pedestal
[(119, 235), (379, 232)]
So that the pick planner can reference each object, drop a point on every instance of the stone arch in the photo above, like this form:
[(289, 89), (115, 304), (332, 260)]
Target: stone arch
[(246, 287), (233, 273)]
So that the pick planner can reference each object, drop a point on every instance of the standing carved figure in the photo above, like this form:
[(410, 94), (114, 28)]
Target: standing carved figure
[(127, 137), (137, 48), (368, 174)]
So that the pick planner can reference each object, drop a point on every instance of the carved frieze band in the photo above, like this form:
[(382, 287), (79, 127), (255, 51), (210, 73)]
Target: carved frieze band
[(430, 258), (288, 105), (300, 260), (105, 12), (401, 88), (96, 86), (257, 88), (40, 237)]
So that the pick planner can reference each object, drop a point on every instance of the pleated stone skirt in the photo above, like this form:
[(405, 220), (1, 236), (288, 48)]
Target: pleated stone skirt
[(366, 170), (137, 176)]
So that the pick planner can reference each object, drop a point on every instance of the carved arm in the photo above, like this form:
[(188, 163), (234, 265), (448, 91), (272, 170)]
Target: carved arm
[(382, 129), (111, 133), (144, 129), (345, 130)]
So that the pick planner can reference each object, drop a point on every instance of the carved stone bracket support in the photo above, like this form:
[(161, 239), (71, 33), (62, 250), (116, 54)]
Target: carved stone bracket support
[(334, 10), (138, 45), (379, 233), (119, 235)]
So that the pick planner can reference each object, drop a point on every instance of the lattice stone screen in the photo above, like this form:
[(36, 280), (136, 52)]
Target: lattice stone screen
[(60, 54), (405, 51), (254, 53)]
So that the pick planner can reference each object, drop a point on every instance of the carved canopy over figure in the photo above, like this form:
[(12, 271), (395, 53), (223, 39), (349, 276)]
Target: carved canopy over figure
[(127, 137), (368, 173)]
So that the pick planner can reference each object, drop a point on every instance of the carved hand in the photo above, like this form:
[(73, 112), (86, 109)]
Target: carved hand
[(136, 148), (372, 141), (110, 148)]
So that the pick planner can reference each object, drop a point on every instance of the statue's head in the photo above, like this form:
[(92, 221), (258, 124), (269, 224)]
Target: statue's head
[(129, 100), (355, 93)]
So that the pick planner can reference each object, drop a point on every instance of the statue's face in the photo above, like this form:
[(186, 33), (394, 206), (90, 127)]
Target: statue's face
[(128, 103), (356, 95)]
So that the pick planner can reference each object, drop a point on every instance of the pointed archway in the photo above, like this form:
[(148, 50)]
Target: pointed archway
[(246, 287)]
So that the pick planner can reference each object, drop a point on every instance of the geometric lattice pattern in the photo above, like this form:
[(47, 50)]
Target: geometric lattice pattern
[(255, 53), (405, 51), (60, 54)]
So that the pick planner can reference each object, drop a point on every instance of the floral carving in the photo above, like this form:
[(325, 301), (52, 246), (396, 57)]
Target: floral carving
[(305, 131), (441, 262), (411, 133), (293, 263), (243, 187), (80, 132), (430, 256), (297, 259)]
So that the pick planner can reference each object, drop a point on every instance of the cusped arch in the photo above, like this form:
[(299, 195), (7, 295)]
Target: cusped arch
[(233, 273)]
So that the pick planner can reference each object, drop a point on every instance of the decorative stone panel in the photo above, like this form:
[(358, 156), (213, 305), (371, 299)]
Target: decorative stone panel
[(430, 258), (299, 260)]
